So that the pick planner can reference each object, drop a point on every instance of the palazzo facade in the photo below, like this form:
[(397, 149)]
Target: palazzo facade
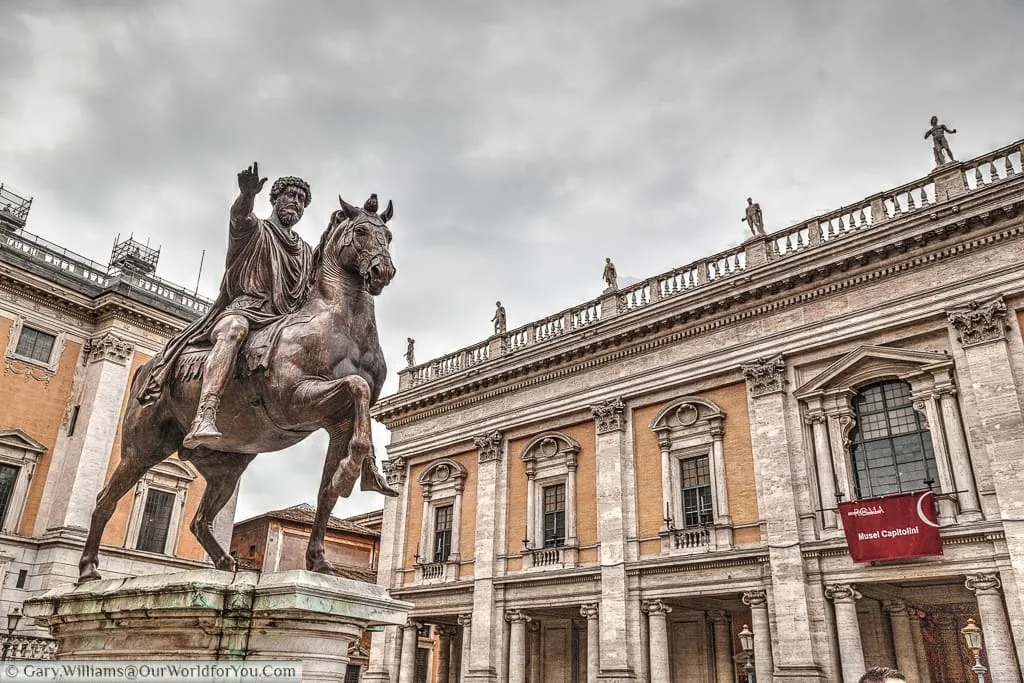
[(611, 493), (74, 332)]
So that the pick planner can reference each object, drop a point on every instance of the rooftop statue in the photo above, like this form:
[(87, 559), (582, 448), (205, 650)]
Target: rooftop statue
[(939, 143), (611, 278), (499, 318), (753, 217), (289, 347)]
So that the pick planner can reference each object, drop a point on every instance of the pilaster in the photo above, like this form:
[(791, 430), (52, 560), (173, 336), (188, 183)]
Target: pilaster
[(851, 649), (999, 649), (612, 451), (770, 439), (764, 664)]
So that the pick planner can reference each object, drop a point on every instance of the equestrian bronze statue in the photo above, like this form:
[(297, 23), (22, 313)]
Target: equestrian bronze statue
[(288, 347)]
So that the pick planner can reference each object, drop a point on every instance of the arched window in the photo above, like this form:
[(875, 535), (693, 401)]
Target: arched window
[(890, 443)]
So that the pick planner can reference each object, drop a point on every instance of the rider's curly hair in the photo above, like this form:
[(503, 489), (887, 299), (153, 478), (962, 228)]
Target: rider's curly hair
[(290, 181)]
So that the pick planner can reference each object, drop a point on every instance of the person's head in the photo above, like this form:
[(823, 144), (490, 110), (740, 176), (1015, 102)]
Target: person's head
[(882, 674), (290, 197), (498, 304), (608, 260), (935, 120), (750, 200)]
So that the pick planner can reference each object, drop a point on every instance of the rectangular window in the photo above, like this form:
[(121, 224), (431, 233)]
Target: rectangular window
[(22, 577), (696, 480), (35, 344), (554, 515), (442, 533), (73, 420), (156, 521), (352, 673), (8, 478)]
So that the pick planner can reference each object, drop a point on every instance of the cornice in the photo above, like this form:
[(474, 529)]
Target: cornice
[(472, 387)]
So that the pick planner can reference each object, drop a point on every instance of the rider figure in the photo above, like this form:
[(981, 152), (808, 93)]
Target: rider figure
[(265, 278)]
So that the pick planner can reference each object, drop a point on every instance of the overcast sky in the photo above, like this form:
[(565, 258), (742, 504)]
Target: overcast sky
[(522, 143)]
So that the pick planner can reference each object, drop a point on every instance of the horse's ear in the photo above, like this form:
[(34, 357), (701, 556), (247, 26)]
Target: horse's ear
[(351, 211), (387, 213)]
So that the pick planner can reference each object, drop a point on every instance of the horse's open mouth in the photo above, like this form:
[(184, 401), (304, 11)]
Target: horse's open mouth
[(375, 284)]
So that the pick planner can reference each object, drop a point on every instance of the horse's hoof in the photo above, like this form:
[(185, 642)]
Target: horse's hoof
[(321, 567), (89, 575)]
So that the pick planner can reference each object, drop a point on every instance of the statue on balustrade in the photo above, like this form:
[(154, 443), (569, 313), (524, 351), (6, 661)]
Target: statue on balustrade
[(939, 143), (410, 354), (611, 278), (289, 347), (499, 319), (753, 218)]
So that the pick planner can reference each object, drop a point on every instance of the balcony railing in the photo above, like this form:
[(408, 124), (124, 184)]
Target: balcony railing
[(31, 647), (945, 182)]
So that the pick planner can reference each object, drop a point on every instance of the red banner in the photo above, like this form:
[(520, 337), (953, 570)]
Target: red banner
[(891, 527)]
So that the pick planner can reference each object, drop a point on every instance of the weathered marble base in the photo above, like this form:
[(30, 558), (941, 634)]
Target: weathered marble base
[(210, 614)]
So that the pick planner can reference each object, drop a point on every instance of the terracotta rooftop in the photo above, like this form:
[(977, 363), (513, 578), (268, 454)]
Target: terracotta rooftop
[(303, 514)]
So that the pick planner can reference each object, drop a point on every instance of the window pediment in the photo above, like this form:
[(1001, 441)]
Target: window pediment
[(19, 440), (872, 363), (550, 445), (688, 415), (441, 472)]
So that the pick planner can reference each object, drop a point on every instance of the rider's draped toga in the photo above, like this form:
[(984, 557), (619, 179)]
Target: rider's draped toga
[(265, 277)]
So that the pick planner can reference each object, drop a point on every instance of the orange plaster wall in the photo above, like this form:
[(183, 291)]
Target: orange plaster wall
[(37, 408), (739, 466), (586, 487)]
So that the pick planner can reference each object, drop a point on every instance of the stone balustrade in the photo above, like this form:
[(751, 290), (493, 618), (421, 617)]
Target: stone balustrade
[(31, 647), (943, 183)]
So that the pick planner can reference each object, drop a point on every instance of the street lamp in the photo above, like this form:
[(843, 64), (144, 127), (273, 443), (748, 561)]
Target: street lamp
[(746, 637), (13, 617), (972, 634)]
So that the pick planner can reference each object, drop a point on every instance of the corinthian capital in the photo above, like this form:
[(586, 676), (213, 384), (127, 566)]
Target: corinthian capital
[(395, 471), (609, 415), (979, 322), (765, 376), (488, 446), (655, 608), (108, 346), (755, 598)]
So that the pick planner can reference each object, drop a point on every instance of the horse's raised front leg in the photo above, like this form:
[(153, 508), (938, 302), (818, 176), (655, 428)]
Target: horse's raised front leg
[(221, 472), (324, 396)]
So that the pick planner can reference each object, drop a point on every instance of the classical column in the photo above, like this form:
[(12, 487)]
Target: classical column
[(533, 534), (571, 539), (778, 502), (517, 646), (1002, 660), (455, 555), (923, 672), (591, 612), (724, 670), (488, 632), (425, 552), (410, 640), (823, 463), (903, 639), (927, 405), (657, 620), (666, 479), (444, 652), (959, 458), (533, 631), (614, 510), (718, 472), (764, 665), (466, 622), (77, 475), (851, 650)]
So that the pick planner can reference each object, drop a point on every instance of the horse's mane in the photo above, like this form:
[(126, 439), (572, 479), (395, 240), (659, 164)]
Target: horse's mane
[(318, 253)]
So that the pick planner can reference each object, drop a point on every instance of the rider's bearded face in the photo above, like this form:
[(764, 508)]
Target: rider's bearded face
[(289, 205)]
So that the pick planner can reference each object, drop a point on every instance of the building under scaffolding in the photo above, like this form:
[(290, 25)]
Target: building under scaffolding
[(13, 209), (133, 257)]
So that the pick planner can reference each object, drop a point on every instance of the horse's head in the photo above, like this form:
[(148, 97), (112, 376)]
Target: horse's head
[(358, 241)]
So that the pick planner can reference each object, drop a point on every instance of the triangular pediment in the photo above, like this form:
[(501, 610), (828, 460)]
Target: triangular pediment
[(871, 363), (15, 438)]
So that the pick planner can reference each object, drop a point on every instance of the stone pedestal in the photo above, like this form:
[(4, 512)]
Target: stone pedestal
[(209, 614)]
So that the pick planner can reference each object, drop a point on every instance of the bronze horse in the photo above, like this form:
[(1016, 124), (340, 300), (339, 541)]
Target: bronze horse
[(325, 372)]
